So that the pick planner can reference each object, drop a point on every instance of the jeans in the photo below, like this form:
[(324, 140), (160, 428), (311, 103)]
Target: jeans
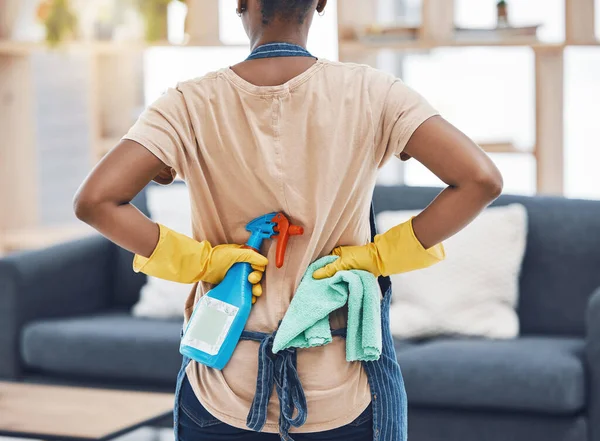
[(196, 424)]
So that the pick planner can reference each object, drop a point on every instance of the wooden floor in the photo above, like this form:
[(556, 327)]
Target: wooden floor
[(81, 413), (144, 434)]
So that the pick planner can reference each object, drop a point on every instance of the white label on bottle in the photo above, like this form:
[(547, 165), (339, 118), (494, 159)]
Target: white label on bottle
[(209, 325)]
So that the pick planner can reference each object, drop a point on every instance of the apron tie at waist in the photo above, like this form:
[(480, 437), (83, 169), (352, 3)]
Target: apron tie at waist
[(279, 371)]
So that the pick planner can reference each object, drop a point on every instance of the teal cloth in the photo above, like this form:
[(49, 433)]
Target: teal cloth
[(306, 322)]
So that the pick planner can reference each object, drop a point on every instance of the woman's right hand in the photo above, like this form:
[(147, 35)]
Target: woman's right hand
[(223, 257), (103, 202), (180, 258)]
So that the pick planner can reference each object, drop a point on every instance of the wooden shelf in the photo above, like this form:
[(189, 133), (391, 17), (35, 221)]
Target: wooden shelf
[(359, 46), (582, 43), (9, 47)]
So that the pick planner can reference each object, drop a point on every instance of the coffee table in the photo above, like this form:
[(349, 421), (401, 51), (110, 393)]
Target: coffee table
[(77, 414)]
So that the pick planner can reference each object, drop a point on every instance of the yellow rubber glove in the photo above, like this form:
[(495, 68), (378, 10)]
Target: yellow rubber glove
[(396, 251), (180, 258)]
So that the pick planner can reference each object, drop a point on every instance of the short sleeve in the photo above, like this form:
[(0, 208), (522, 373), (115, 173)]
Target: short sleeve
[(165, 129), (404, 110)]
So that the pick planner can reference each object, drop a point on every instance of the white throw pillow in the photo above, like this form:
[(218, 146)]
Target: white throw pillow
[(474, 291), (170, 206)]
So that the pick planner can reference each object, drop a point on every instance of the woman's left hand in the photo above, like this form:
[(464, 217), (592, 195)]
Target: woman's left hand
[(394, 252)]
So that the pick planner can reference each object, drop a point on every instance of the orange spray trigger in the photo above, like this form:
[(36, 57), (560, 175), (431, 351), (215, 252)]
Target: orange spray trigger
[(285, 230)]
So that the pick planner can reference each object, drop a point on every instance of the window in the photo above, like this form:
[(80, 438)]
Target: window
[(488, 93), (582, 143)]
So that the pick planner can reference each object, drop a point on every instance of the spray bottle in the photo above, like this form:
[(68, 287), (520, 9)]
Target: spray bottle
[(220, 316)]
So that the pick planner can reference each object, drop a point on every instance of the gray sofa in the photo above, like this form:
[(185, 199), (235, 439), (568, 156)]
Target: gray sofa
[(64, 316)]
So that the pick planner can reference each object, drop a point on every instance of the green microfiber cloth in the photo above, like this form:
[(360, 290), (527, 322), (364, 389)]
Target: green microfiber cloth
[(306, 322)]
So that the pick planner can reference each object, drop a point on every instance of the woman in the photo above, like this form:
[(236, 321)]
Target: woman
[(284, 131)]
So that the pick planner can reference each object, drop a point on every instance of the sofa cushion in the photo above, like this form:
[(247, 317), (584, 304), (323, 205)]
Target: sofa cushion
[(109, 346), (559, 271), (402, 345), (539, 374), (474, 291)]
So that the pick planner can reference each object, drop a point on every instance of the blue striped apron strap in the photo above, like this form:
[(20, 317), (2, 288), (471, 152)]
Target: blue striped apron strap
[(277, 370), (384, 282), (389, 402)]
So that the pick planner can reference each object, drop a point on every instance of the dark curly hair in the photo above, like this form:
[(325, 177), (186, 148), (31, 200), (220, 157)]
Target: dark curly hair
[(286, 10)]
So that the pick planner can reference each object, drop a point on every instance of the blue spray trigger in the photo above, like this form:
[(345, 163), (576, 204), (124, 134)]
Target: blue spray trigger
[(263, 225), (261, 228)]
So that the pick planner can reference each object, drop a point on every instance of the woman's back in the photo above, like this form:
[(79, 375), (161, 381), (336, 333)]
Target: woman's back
[(285, 132), (309, 147)]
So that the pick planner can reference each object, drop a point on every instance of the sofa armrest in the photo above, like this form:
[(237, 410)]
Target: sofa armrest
[(593, 363), (64, 280)]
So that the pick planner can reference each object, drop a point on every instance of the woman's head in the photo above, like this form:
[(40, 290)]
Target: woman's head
[(278, 19)]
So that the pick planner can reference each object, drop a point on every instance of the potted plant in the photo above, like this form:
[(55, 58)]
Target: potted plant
[(154, 13), (58, 19), (502, 7)]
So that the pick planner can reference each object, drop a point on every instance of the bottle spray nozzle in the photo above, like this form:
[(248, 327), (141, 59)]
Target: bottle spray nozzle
[(269, 225), (261, 228)]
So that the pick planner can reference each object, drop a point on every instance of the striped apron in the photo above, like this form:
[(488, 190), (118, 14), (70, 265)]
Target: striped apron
[(388, 396)]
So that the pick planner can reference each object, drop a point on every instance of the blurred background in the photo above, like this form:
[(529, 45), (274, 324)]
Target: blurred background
[(76, 73), (499, 347)]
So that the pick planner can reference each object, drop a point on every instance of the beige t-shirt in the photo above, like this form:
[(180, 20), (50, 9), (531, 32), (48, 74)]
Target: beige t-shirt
[(310, 148)]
